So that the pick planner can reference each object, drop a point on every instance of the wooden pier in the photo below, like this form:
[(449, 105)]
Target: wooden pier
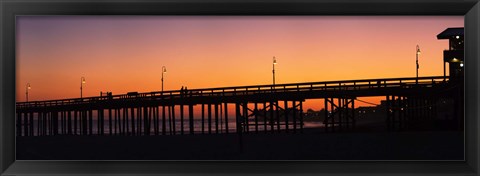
[(258, 109)]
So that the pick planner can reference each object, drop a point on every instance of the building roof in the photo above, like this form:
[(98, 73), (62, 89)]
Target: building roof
[(449, 32)]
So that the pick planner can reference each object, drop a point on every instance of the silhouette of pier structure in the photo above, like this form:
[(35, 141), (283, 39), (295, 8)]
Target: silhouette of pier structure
[(276, 108)]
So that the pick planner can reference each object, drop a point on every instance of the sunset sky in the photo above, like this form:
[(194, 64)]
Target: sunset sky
[(122, 54)]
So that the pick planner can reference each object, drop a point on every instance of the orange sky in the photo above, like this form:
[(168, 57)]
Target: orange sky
[(125, 53)]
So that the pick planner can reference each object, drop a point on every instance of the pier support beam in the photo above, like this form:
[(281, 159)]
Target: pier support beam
[(216, 119), (340, 112), (226, 117), (209, 112), (190, 119), (181, 119), (164, 126)]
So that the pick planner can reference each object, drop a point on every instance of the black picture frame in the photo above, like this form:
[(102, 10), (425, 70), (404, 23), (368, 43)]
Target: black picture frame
[(9, 9)]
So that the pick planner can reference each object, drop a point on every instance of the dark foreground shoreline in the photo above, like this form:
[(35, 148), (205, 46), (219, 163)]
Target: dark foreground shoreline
[(425, 145)]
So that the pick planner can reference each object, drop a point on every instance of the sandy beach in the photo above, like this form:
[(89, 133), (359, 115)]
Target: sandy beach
[(312, 145)]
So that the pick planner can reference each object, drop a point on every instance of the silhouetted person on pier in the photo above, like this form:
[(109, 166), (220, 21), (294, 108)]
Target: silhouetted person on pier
[(181, 92)]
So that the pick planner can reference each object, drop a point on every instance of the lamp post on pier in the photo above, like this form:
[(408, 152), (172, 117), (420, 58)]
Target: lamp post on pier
[(82, 81), (164, 70), (417, 53), (273, 70), (27, 87)]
